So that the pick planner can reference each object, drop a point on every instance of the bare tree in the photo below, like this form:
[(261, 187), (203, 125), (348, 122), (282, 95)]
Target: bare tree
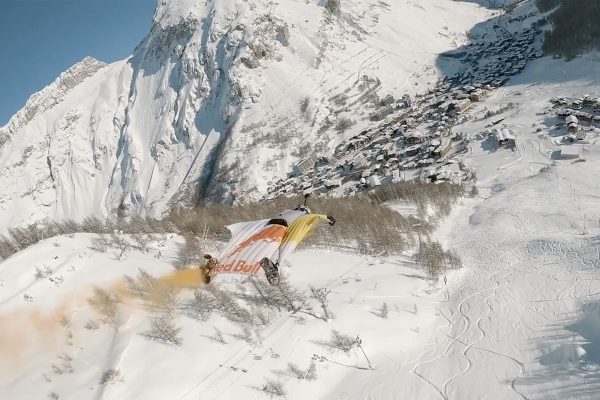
[(383, 311), (339, 341), (294, 371), (165, 331), (107, 304), (111, 376), (217, 336), (273, 388), (190, 253), (320, 295), (201, 306), (91, 325), (230, 308), (101, 243), (163, 300), (119, 242), (245, 335)]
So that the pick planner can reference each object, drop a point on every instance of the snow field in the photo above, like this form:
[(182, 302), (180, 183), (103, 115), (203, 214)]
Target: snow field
[(43, 339)]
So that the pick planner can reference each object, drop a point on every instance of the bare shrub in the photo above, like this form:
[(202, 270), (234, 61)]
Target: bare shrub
[(435, 259), (53, 396), (201, 306), (289, 296), (23, 238), (265, 294), (94, 225), (7, 248), (294, 371), (62, 369), (91, 325), (190, 252), (217, 336), (119, 242), (273, 388), (142, 285), (101, 243), (163, 300), (332, 6), (41, 273), (339, 342), (107, 304), (141, 241), (344, 124), (227, 304), (245, 335), (260, 316), (165, 331), (384, 311), (111, 376)]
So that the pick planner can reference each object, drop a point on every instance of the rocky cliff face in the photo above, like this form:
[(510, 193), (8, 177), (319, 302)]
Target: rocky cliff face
[(220, 97)]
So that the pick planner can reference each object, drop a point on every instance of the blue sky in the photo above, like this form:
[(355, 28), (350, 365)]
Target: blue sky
[(39, 39)]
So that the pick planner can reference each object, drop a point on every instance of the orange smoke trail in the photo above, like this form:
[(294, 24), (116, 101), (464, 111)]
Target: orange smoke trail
[(26, 332)]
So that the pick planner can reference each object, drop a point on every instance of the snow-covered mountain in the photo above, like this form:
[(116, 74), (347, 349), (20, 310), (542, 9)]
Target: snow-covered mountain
[(220, 97)]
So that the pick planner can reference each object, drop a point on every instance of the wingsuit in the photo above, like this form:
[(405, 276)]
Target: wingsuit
[(257, 246)]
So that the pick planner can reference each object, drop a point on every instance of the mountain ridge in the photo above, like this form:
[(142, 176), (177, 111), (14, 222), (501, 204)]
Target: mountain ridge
[(218, 99)]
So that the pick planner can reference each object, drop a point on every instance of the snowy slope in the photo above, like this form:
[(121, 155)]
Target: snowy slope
[(41, 355), (523, 323), (220, 96), (519, 321)]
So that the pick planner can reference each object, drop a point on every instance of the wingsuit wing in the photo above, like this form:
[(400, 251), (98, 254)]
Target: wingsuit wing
[(299, 230), (240, 232), (250, 243)]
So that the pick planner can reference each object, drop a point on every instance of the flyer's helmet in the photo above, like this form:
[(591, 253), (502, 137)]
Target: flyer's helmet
[(304, 209)]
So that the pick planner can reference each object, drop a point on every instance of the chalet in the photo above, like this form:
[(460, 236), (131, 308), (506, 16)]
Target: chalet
[(412, 150), (443, 149), (332, 183), (306, 185), (569, 152), (415, 137), (478, 95), (373, 181), (572, 124), (304, 166), (504, 137), (580, 135)]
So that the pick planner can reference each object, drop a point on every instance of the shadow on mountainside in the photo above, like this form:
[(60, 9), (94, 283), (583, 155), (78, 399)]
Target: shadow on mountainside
[(505, 50)]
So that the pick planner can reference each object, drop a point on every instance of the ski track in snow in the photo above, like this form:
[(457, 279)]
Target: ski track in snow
[(499, 282)]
